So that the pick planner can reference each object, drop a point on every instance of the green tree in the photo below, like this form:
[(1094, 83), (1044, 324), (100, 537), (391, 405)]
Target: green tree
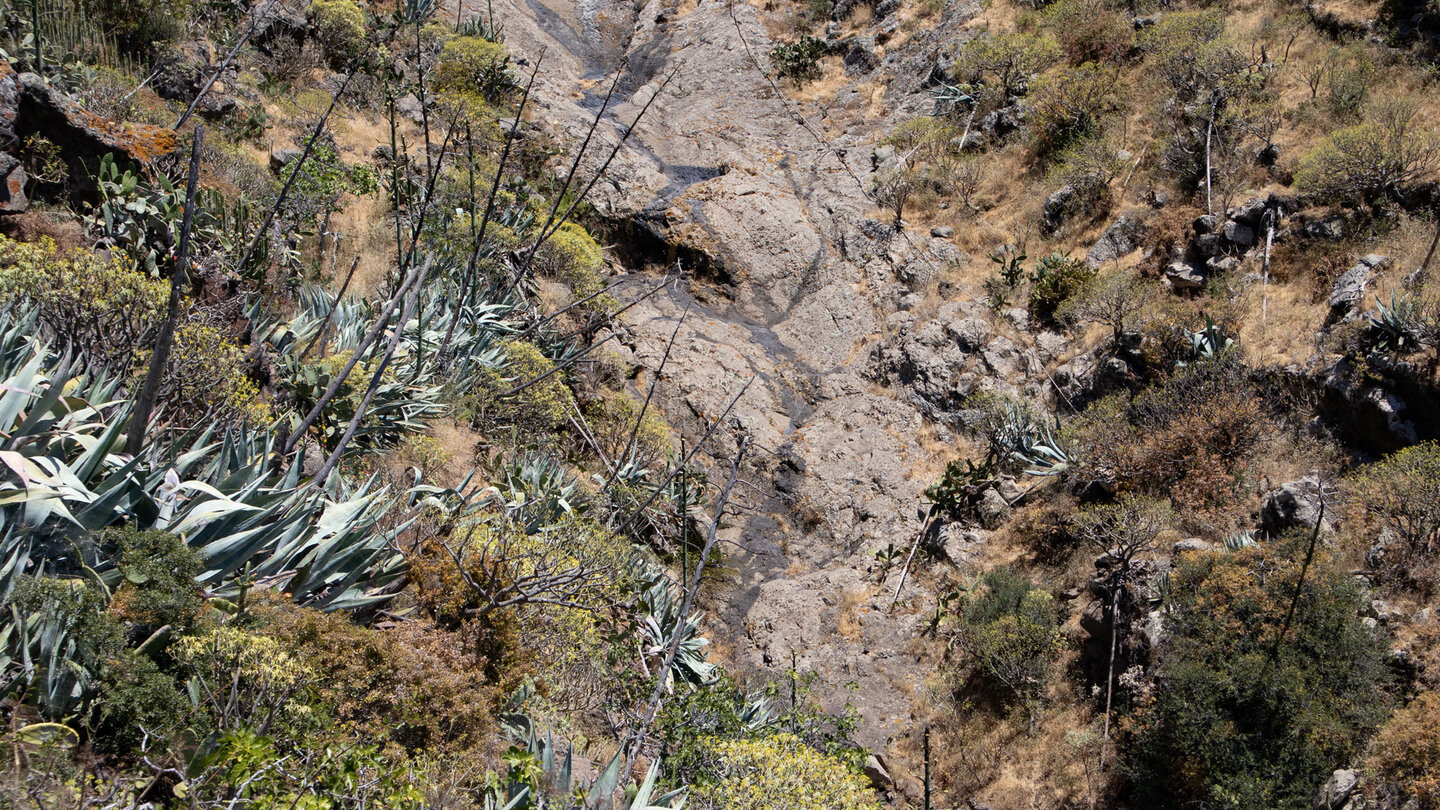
[(1010, 632), (1006, 61), (1239, 720), (1374, 160)]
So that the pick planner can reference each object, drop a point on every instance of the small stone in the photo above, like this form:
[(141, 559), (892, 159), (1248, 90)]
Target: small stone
[(942, 232), (1190, 544), (280, 158)]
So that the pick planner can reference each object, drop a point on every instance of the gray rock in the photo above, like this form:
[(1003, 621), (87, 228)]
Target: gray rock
[(1295, 503), (961, 544), (1328, 228), (860, 58), (1250, 213), (82, 138), (992, 509), (1336, 791), (911, 301), (12, 185), (1056, 208), (1349, 288), (942, 232), (883, 158), (1190, 544), (1185, 276), (1239, 233), (876, 772), (1122, 237), (1208, 244), (280, 158), (1222, 264), (280, 25), (1205, 223)]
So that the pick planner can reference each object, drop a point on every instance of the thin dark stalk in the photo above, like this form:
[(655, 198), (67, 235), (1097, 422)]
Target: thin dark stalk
[(375, 380), (1300, 583), (150, 389), (468, 282), (384, 317), (584, 145), (655, 381), (684, 461), (295, 172), (546, 234), (672, 648), (330, 313)]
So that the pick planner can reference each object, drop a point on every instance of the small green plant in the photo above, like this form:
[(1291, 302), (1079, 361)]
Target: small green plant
[(1010, 630), (958, 491), (1011, 261), (799, 61), (1057, 277)]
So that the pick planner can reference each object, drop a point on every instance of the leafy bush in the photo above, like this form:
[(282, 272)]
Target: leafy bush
[(104, 310), (1011, 633), (1091, 30), (1243, 718), (1056, 278), (1406, 754), (799, 61), (1070, 104), (474, 71), (340, 27), (1189, 437), (411, 684), (207, 378), (1005, 61), (159, 579), (780, 771), (573, 257), (1373, 160), (1402, 493)]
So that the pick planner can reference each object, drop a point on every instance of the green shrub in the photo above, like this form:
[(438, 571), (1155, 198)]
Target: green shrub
[(1006, 61), (1091, 30), (474, 72), (1069, 105), (104, 310), (1372, 161), (340, 27), (1406, 754), (1402, 493), (1237, 721), (159, 571), (1056, 278), (1011, 633), (799, 61), (780, 771)]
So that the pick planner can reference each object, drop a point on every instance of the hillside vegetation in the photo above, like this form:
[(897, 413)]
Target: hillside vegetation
[(333, 475)]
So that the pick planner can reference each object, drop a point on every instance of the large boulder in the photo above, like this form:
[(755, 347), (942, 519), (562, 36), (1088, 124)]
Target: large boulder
[(1294, 503), (1349, 288), (1185, 276), (182, 70), (1122, 237), (1336, 791), (12, 185), (84, 138)]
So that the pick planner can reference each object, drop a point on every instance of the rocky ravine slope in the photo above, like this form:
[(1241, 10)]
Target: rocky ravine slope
[(792, 284)]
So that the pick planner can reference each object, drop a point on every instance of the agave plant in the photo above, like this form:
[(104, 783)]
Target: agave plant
[(539, 778), (1398, 327), (660, 602), (65, 478), (1208, 342)]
